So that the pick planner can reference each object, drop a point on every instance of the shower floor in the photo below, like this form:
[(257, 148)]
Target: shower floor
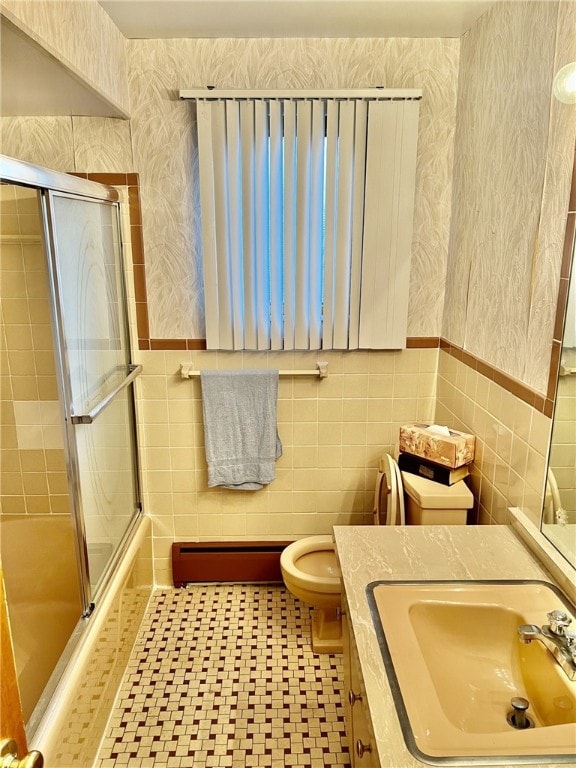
[(223, 675)]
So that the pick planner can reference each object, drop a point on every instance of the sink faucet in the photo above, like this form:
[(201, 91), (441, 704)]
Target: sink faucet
[(556, 638)]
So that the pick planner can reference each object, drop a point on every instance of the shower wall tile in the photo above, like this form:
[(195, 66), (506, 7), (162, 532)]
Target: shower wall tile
[(33, 473), (333, 433)]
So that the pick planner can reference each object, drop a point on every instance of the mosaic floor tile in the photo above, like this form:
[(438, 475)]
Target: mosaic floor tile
[(223, 676)]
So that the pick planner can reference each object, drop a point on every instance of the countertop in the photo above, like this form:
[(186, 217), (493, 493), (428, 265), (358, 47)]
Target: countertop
[(371, 553)]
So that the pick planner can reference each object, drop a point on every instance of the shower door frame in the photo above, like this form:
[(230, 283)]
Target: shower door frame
[(46, 181), (72, 419)]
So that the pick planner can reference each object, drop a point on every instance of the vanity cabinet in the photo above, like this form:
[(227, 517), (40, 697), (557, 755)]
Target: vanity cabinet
[(358, 726)]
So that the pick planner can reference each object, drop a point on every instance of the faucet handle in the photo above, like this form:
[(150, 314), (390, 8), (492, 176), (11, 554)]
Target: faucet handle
[(559, 621), (570, 637)]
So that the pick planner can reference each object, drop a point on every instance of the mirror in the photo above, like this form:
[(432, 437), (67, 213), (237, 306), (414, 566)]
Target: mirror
[(559, 512)]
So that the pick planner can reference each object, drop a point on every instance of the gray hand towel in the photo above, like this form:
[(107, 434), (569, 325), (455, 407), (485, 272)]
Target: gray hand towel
[(240, 431)]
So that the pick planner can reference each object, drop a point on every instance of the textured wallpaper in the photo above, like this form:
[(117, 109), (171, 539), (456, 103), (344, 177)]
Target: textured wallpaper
[(163, 152), (81, 35), (548, 253), (492, 288), (83, 144), (514, 151), (45, 141)]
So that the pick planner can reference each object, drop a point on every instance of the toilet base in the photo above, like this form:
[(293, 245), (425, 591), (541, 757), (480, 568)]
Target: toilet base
[(326, 628)]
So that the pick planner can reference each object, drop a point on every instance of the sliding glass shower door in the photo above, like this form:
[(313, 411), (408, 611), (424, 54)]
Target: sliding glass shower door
[(97, 377)]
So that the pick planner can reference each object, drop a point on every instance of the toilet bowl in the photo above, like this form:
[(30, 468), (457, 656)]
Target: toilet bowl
[(311, 573), (309, 566)]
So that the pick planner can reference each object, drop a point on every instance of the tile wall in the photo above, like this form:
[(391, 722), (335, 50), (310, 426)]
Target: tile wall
[(333, 433), (512, 440), (33, 474)]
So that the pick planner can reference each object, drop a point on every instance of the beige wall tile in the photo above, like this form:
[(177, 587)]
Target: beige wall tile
[(12, 505), (512, 439)]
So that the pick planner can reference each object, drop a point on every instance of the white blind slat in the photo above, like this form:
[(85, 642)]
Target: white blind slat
[(331, 215), (223, 201), (235, 221), (248, 224), (410, 110), (276, 233), (261, 224), (344, 231), (315, 257), (206, 171), (303, 204), (393, 314), (360, 128), (289, 211), (387, 227), (377, 223)]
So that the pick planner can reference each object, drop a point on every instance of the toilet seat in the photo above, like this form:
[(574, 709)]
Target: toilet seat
[(389, 495)]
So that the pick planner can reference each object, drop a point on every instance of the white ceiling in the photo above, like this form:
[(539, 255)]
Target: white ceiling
[(294, 18)]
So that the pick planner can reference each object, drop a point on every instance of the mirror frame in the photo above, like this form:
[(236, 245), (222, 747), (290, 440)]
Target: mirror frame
[(567, 270)]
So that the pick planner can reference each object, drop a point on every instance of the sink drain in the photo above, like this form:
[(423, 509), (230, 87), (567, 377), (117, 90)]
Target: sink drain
[(518, 718)]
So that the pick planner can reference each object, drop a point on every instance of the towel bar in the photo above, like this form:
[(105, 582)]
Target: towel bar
[(321, 371)]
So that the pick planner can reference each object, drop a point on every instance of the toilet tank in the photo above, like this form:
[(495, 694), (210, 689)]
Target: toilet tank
[(430, 503)]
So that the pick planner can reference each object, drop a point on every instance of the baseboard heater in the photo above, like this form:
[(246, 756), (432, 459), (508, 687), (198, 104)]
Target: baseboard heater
[(230, 561)]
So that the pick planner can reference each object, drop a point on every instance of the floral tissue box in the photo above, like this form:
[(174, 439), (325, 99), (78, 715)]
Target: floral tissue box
[(441, 445)]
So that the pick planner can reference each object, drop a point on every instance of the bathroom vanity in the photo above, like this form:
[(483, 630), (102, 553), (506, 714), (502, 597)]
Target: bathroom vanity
[(419, 553)]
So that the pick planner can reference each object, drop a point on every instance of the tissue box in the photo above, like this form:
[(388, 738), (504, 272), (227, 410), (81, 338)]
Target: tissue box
[(452, 451)]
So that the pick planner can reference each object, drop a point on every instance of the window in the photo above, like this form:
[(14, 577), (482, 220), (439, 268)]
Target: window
[(306, 205)]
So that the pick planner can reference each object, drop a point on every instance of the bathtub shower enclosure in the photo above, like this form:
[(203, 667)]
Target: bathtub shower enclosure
[(69, 476)]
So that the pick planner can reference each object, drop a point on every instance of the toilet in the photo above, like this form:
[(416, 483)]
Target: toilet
[(310, 568), (311, 573)]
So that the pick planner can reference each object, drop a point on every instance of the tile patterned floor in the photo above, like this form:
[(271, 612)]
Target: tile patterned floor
[(224, 676)]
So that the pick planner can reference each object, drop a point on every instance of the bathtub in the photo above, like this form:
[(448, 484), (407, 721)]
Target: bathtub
[(42, 585), (78, 707)]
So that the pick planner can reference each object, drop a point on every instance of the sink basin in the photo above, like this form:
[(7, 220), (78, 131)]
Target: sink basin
[(454, 661)]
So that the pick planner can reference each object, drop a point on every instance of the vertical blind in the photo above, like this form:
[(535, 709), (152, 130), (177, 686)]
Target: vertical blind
[(306, 208)]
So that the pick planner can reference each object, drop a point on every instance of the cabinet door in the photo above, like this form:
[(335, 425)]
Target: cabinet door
[(360, 738), (346, 658)]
